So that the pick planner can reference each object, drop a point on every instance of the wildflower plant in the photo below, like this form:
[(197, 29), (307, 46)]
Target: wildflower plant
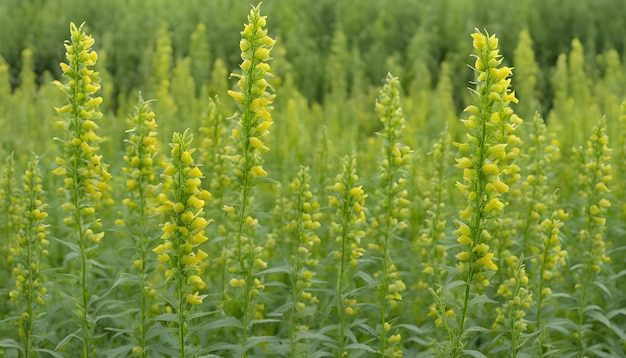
[(11, 208), (552, 259), (182, 203), (430, 243), (302, 226), (254, 117), (390, 215), (84, 174), (489, 125), (26, 257), (348, 199), (595, 176), (141, 184), (518, 300), (541, 154)]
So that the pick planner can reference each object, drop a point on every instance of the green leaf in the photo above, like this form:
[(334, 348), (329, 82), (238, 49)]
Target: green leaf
[(121, 351), (481, 299), (478, 329), (619, 311), (201, 314), (473, 353), (267, 320), (253, 341), (360, 347), (50, 352), (599, 317), (223, 346), (280, 269), (68, 338), (450, 285), (313, 336), (529, 337), (224, 322), (166, 317), (10, 343), (562, 325), (606, 291)]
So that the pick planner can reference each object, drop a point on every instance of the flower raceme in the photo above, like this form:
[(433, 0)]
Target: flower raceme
[(182, 202), (490, 130), (27, 255), (253, 99), (86, 176), (490, 127)]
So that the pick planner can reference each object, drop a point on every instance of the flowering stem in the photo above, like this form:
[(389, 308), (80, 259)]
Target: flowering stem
[(296, 271), (342, 269)]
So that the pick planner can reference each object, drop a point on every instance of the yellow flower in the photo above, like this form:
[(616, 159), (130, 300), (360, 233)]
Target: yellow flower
[(194, 299), (258, 171), (235, 283), (486, 262)]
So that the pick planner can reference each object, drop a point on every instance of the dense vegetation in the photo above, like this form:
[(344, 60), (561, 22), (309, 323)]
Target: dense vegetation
[(354, 177)]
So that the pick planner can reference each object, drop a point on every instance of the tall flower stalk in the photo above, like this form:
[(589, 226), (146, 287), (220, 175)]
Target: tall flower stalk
[(27, 256), (390, 214), (552, 258), (141, 152), (254, 119), (302, 226), (489, 125), (348, 199), (84, 174), (594, 180), (182, 202)]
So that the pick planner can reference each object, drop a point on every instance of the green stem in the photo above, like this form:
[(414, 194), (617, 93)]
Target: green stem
[(78, 222), (180, 197), (142, 276), (180, 303), (296, 272), (476, 222), (342, 269), (248, 155), (29, 298), (590, 257), (386, 236)]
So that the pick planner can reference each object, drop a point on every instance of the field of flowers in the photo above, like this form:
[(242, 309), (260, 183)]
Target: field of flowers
[(312, 179)]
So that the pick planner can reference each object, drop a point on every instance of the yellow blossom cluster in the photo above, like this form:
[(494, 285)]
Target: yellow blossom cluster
[(390, 214), (141, 152), (31, 245), (349, 200), (303, 227), (253, 99), (490, 126), (27, 252), (543, 152), (393, 207), (553, 256), (596, 176), (182, 203), (85, 175), (518, 297)]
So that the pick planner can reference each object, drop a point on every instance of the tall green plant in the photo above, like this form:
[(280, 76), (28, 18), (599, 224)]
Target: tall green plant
[(595, 177), (348, 200), (141, 185), (182, 202), (254, 102), (390, 215), (27, 255), (84, 174), (490, 123)]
